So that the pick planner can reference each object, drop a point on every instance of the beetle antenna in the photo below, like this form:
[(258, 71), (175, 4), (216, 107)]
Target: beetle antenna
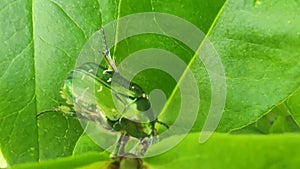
[(106, 52), (46, 111)]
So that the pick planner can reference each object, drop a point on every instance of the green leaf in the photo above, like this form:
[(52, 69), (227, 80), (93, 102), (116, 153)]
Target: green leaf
[(278, 120), (293, 103), (17, 83), (70, 162), (232, 151), (260, 60), (258, 44), (85, 144), (39, 44), (221, 151)]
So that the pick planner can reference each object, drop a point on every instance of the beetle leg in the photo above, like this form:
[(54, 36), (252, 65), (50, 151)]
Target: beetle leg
[(47, 111), (144, 145), (147, 142), (124, 142), (118, 97), (120, 147), (162, 123)]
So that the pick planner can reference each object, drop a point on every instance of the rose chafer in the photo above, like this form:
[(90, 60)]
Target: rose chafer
[(100, 94)]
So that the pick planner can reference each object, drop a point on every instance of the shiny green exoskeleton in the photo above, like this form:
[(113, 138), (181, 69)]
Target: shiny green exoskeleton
[(90, 95), (96, 93)]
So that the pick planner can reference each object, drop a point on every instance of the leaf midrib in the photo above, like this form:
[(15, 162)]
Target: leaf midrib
[(35, 73), (193, 59)]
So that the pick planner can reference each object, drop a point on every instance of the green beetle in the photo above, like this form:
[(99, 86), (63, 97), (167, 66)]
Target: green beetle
[(96, 93)]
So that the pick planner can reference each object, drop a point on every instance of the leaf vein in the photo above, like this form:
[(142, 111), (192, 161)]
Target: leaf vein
[(69, 17), (15, 58), (8, 5), (49, 44)]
